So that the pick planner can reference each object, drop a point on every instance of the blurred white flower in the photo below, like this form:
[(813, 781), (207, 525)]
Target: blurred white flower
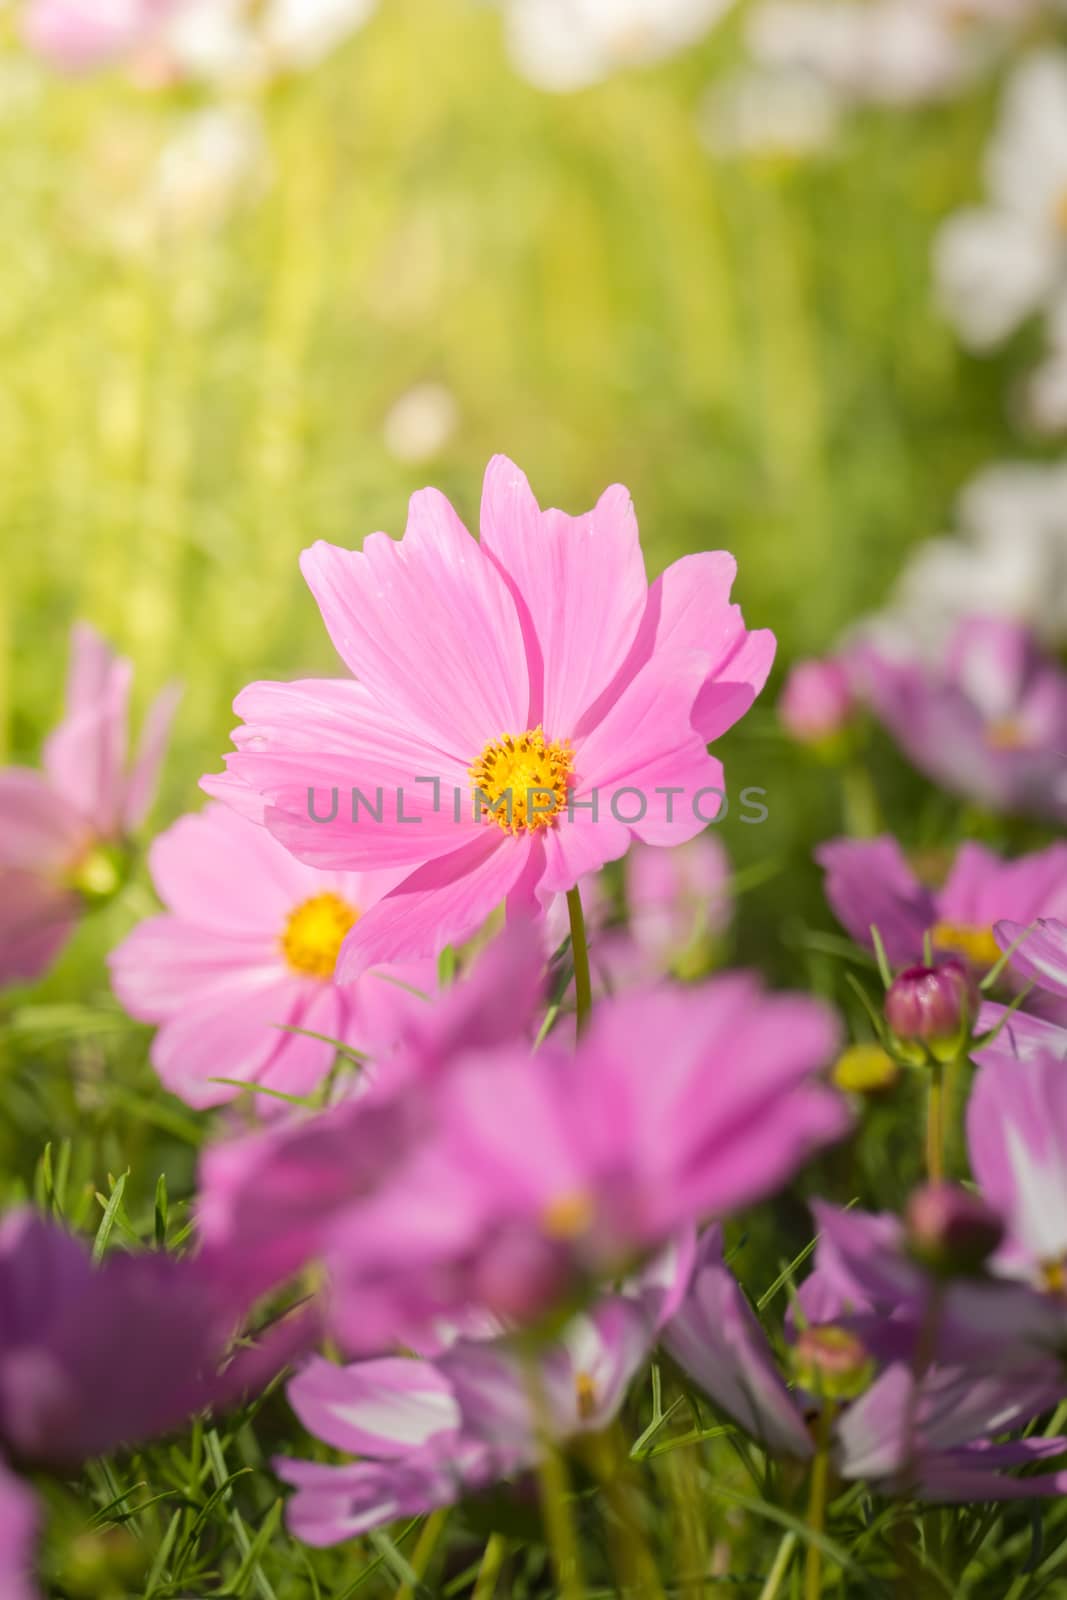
[(1010, 561), (248, 41), (767, 112), (998, 264), (566, 44), (891, 52), (419, 425), (1044, 395), (213, 162)]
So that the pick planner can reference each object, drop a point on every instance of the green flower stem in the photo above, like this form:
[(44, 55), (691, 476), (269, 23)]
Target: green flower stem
[(781, 1566), (817, 1493), (583, 987), (935, 1124), (492, 1562), (560, 1532), (422, 1555)]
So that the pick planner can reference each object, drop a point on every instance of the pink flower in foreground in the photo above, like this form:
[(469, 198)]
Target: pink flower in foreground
[(247, 949), (62, 829), (535, 672), (558, 1168), (871, 881), (989, 722)]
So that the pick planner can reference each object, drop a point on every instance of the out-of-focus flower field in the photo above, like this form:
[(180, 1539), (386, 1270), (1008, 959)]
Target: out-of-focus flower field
[(795, 275)]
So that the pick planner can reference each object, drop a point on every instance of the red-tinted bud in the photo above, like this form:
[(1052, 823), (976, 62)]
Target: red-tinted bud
[(951, 1230), (933, 1006), (816, 703)]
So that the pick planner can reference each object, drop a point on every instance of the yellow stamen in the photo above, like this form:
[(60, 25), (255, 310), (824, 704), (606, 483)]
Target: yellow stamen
[(568, 1216), (864, 1069), (585, 1395), (965, 939), (521, 781), (1005, 733), (1054, 1277), (314, 933)]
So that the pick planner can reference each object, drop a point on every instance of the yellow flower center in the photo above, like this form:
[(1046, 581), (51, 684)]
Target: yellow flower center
[(864, 1069), (585, 1395), (314, 933), (1054, 1277), (521, 781), (568, 1216), (1006, 733), (963, 939)]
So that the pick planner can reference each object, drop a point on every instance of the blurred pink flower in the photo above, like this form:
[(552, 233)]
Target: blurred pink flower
[(871, 881), (816, 701), (989, 722), (553, 1169), (538, 660), (18, 1536), (246, 949), (61, 829), (78, 35)]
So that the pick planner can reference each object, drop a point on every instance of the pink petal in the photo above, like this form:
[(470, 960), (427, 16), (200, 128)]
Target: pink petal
[(143, 780), (18, 1536), (85, 758), (442, 903), (167, 964), (232, 1034), (36, 920), (428, 626), (39, 829), (579, 586), (218, 871)]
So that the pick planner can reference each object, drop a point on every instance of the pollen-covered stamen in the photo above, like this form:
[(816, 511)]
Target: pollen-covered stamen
[(965, 939), (314, 933), (521, 781)]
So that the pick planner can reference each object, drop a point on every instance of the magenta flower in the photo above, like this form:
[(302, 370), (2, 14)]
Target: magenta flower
[(1040, 954), (940, 1439), (989, 722), (1017, 1141), (64, 830), (247, 948), (817, 701), (18, 1536), (430, 1432), (92, 1357), (527, 707), (554, 1169), (870, 881)]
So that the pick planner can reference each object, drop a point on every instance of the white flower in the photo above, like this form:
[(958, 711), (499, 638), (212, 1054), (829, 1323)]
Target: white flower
[(892, 52), (768, 112), (238, 41), (567, 44), (999, 263), (419, 425), (1010, 561)]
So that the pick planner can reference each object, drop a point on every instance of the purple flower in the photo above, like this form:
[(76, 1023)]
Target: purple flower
[(870, 881), (430, 1432), (63, 831), (989, 722), (817, 701)]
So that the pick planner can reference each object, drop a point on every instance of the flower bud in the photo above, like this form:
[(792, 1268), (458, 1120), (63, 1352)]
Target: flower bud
[(817, 702), (951, 1230), (933, 1006), (832, 1362)]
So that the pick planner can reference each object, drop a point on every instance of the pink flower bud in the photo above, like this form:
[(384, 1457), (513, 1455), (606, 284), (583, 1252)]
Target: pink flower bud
[(831, 1361), (932, 1005), (816, 702), (951, 1230)]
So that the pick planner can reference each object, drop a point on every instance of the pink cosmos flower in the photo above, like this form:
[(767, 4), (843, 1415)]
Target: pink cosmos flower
[(817, 700), (1039, 956), (556, 1169), (62, 830), (871, 881), (247, 948), (430, 1432), (989, 722), (939, 1431), (678, 903), (535, 672)]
